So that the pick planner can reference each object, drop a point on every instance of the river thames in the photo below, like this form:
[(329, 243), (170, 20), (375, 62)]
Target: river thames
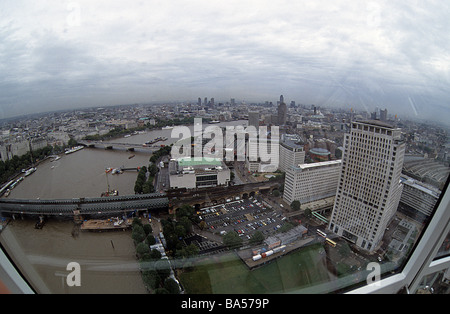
[(107, 260)]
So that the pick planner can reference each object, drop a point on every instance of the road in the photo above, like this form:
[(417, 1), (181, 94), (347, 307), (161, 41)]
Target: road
[(162, 177)]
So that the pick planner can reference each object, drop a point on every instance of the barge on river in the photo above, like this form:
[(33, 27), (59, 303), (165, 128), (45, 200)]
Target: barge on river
[(106, 224)]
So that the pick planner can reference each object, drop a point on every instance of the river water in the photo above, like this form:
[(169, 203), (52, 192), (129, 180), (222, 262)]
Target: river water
[(107, 260)]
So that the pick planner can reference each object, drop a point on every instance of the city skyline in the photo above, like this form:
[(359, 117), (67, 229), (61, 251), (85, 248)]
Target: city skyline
[(357, 55)]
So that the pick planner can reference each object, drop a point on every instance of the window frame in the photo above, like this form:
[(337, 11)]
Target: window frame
[(422, 261)]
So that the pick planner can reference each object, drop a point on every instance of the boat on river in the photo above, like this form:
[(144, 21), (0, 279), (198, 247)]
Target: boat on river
[(74, 149), (29, 171)]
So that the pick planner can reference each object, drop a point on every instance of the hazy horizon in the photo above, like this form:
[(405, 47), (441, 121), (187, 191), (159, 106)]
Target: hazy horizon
[(350, 54)]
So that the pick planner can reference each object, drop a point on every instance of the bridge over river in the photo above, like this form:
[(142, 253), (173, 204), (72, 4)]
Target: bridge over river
[(97, 206), (123, 146), (119, 205)]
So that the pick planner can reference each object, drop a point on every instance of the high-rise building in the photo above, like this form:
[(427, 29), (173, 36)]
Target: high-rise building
[(369, 187), (292, 152), (282, 113), (383, 115)]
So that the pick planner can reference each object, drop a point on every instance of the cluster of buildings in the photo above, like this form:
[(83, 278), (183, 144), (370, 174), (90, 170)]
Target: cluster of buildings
[(367, 183), (358, 161)]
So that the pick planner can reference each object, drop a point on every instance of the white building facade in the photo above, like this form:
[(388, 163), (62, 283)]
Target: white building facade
[(419, 196), (311, 182), (369, 187), (191, 174), (291, 153)]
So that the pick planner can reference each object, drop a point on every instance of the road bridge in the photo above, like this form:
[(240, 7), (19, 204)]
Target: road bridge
[(116, 145), (97, 206)]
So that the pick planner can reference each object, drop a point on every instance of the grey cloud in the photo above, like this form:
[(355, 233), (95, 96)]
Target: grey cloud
[(331, 53)]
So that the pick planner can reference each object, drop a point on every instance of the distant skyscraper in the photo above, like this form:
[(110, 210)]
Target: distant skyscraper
[(282, 113), (383, 115), (233, 101), (205, 103), (199, 101), (281, 99), (369, 188)]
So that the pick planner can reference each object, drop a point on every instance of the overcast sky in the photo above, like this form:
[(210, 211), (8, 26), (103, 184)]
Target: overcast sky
[(360, 54)]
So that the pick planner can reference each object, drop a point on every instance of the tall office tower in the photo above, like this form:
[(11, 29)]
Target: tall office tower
[(383, 115), (212, 102), (205, 103), (369, 187), (281, 99), (292, 152), (233, 101), (282, 113), (199, 101)]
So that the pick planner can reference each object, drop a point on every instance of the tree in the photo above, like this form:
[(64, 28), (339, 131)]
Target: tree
[(171, 286), (232, 240), (151, 278), (295, 205), (202, 225), (141, 249), (147, 229), (186, 223), (155, 254), (152, 169), (72, 142), (276, 193), (162, 267), (286, 227), (308, 212), (150, 240), (180, 231), (161, 291), (148, 187), (257, 238), (136, 222), (138, 234)]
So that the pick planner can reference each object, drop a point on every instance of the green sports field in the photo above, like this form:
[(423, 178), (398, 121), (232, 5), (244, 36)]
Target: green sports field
[(226, 273)]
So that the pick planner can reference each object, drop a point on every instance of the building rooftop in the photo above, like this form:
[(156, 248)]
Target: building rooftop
[(376, 123), (198, 161), (319, 151), (320, 164), (426, 188)]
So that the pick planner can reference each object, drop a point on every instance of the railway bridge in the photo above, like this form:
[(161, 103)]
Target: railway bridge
[(76, 208), (216, 195), (82, 207)]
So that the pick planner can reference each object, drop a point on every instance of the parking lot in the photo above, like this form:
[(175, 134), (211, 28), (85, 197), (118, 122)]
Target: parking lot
[(243, 216)]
